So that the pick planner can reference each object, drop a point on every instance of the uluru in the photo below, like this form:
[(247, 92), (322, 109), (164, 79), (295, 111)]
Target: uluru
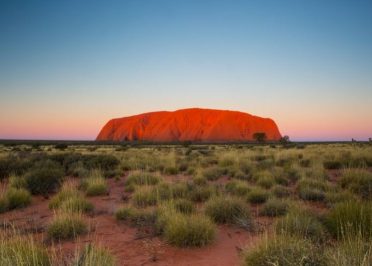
[(193, 124)]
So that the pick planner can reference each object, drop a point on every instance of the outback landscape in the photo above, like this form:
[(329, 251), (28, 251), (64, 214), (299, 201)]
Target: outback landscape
[(186, 133), (186, 204)]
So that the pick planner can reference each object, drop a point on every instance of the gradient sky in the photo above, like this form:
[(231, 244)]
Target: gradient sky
[(66, 67)]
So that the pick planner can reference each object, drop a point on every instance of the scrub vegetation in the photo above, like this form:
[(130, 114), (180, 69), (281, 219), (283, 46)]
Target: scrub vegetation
[(288, 204)]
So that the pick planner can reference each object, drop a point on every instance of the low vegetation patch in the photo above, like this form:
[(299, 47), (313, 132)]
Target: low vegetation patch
[(285, 250), (66, 226), (257, 196), (352, 218), (274, 207), (92, 255), (182, 230), (95, 184), (228, 210)]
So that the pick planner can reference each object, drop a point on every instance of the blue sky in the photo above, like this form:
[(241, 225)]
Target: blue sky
[(66, 67)]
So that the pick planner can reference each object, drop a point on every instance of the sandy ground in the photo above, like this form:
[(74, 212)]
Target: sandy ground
[(129, 245)]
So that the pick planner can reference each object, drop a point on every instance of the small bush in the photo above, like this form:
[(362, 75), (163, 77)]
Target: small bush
[(23, 251), (94, 256), (227, 210), (350, 218), (4, 205), (66, 226), (283, 251), (257, 196), (44, 177), (302, 224), (274, 207)]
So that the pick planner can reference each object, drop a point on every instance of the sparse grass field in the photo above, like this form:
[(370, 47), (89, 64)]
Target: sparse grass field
[(237, 204)]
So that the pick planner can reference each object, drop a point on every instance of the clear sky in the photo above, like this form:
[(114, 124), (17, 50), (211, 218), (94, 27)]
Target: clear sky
[(66, 67)]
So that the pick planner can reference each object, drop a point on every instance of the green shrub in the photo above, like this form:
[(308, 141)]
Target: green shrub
[(186, 231), (94, 256), (45, 177), (302, 224), (257, 195), (23, 251), (274, 207), (238, 188), (349, 219), (228, 210), (66, 226), (142, 179), (359, 182), (285, 251)]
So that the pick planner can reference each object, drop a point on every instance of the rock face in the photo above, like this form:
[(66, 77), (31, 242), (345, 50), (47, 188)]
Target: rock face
[(195, 124)]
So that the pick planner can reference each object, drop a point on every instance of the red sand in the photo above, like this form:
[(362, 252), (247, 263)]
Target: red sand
[(129, 245), (189, 125)]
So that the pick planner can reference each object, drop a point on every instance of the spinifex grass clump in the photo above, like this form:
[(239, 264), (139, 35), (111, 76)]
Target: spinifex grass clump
[(184, 206), (213, 173), (312, 190), (69, 199), (44, 177), (358, 181), (142, 178), (351, 251), (284, 250), (182, 230), (303, 224), (14, 198), (17, 181), (94, 256), (228, 210), (274, 207), (257, 195), (95, 184), (66, 226), (136, 217), (237, 187), (145, 196), (25, 251), (350, 218)]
